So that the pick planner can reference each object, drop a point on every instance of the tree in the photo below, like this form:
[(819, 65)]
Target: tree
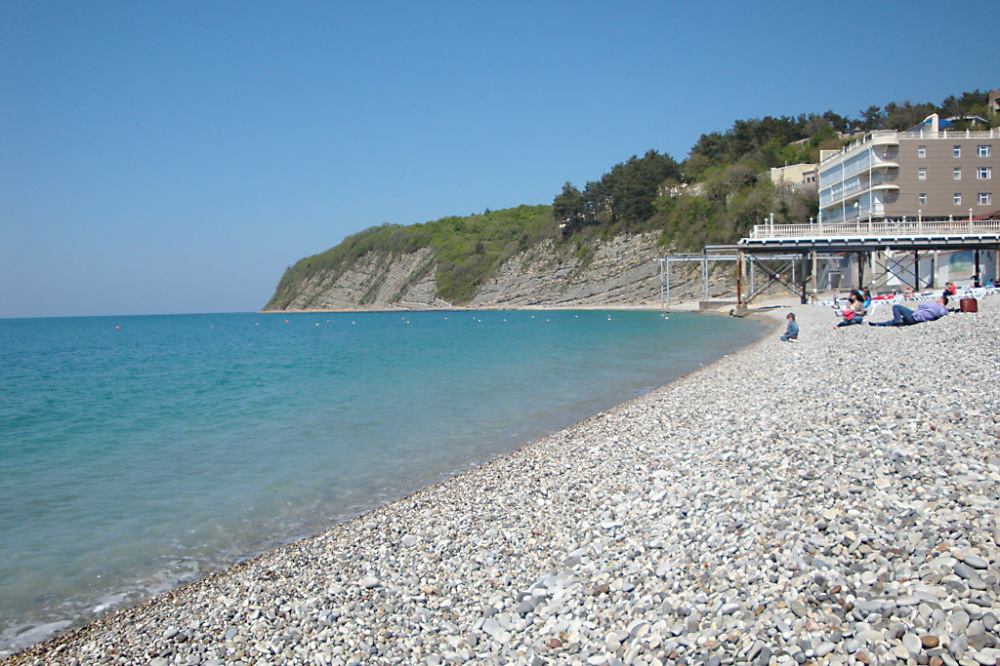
[(635, 184), (872, 118), (837, 121), (568, 204), (906, 115)]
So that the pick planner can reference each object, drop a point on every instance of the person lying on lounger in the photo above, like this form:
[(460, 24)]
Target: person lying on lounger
[(926, 311)]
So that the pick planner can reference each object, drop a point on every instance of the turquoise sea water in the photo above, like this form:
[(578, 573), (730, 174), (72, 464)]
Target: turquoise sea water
[(140, 452)]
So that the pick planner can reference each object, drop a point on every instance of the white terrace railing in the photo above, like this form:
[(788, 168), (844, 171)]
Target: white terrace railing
[(892, 136), (881, 228)]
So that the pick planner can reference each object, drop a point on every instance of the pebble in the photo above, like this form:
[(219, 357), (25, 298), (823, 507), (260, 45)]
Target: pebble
[(829, 502)]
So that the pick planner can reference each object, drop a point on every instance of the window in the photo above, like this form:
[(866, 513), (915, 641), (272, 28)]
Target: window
[(957, 151), (921, 174), (985, 198), (922, 198), (984, 173), (922, 151), (958, 173), (958, 198), (984, 151)]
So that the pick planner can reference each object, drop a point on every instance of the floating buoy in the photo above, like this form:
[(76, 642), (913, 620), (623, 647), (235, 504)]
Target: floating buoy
[(117, 327)]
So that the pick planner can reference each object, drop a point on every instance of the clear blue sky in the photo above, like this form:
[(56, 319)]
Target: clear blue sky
[(173, 157)]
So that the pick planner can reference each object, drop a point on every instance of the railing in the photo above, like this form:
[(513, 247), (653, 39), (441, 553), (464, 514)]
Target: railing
[(954, 134), (878, 228), (877, 135)]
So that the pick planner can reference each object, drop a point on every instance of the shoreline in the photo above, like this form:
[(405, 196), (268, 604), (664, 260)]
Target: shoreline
[(676, 305), (741, 511), (136, 590)]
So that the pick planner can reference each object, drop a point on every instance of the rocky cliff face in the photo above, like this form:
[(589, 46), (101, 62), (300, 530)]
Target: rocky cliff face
[(623, 271), (619, 272)]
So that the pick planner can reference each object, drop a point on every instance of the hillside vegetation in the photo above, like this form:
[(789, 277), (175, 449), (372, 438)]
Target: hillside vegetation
[(714, 196), (466, 249)]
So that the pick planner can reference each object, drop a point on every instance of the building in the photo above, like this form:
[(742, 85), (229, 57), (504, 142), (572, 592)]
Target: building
[(927, 172), (796, 176), (994, 101)]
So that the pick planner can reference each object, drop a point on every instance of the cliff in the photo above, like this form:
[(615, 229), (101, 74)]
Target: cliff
[(622, 271)]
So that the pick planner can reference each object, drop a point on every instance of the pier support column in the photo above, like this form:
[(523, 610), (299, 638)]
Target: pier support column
[(740, 258), (815, 272), (667, 268), (804, 291), (704, 275)]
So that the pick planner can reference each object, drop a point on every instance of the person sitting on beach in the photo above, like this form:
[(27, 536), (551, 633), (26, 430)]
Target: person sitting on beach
[(950, 289), (855, 312), (792, 330), (926, 311), (867, 295)]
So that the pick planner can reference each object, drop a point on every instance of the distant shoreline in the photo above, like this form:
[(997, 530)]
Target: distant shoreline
[(681, 306)]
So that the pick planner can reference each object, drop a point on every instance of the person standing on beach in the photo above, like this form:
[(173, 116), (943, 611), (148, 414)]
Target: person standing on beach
[(926, 311), (792, 330)]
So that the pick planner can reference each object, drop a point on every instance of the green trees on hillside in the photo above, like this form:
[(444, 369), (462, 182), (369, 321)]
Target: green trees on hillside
[(904, 115), (622, 201), (470, 249), (767, 142), (714, 196)]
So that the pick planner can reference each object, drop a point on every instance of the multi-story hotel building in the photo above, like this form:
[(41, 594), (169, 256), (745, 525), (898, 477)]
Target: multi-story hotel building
[(923, 173)]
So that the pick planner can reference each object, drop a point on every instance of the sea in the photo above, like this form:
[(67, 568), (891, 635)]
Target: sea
[(138, 453)]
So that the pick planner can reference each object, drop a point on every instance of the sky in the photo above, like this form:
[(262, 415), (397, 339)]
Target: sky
[(177, 157)]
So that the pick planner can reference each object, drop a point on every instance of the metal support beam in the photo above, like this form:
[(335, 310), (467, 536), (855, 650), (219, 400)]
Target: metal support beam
[(773, 277), (815, 274), (739, 277), (736, 254)]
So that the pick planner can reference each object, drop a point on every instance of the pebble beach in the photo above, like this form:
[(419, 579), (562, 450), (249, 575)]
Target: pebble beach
[(830, 501)]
